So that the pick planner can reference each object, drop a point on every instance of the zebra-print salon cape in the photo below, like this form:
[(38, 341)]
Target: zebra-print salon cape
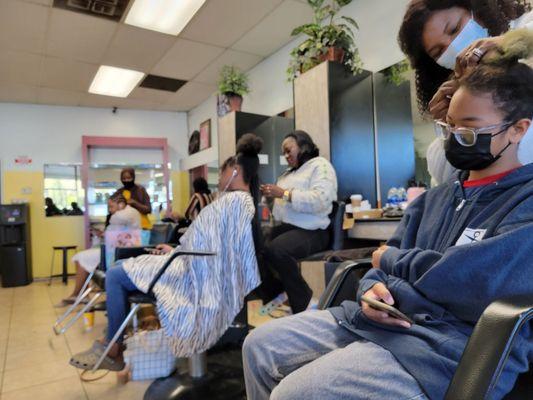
[(198, 297)]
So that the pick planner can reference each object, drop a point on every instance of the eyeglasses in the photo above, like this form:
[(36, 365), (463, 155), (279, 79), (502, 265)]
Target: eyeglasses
[(467, 137)]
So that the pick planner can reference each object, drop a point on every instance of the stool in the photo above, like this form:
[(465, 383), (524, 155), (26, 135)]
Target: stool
[(65, 250)]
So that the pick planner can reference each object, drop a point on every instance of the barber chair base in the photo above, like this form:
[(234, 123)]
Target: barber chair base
[(220, 383)]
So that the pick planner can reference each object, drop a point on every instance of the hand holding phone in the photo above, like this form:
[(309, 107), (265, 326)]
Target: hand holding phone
[(390, 310)]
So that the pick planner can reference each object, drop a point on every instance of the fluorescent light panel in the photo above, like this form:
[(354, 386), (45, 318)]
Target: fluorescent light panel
[(166, 16), (113, 81)]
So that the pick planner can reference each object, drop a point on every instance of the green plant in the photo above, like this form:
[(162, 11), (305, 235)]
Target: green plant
[(321, 37), (395, 74), (232, 80)]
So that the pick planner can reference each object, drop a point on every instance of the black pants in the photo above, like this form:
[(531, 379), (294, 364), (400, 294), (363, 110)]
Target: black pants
[(279, 263)]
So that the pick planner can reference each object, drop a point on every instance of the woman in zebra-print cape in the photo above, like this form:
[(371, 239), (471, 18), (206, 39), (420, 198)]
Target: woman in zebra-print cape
[(197, 297)]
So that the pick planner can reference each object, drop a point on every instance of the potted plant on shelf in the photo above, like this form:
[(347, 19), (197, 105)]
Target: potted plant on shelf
[(233, 84), (330, 41)]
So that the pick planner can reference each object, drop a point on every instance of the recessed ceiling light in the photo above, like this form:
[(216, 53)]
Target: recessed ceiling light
[(166, 16), (113, 81)]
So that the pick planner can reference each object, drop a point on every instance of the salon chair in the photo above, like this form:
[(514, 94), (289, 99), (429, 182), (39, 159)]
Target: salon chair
[(196, 382), (136, 299), (487, 349), (336, 233)]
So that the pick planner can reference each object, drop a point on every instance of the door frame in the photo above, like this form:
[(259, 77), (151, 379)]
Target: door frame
[(93, 142)]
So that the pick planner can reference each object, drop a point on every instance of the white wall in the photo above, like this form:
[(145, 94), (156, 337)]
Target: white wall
[(379, 22), (52, 134)]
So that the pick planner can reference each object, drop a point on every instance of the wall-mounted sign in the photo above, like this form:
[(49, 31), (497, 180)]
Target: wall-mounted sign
[(23, 160)]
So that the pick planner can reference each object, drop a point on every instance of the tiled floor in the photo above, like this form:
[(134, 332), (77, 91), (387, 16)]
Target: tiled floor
[(34, 361)]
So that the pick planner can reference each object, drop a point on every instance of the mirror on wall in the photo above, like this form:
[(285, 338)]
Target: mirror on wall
[(104, 180), (63, 192)]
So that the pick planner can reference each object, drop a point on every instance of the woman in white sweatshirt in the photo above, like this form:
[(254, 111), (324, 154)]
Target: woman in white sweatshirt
[(303, 198)]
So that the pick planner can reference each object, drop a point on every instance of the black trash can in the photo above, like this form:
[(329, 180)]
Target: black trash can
[(14, 266)]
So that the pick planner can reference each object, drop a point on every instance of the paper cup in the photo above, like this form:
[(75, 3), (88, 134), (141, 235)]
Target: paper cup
[(356, 200), (88, 321)]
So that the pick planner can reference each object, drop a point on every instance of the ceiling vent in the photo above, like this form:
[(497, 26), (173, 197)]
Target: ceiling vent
[(162, 83), (108, 9)]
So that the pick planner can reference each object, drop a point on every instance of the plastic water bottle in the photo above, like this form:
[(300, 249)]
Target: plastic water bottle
[(393, 198), (402, 194)]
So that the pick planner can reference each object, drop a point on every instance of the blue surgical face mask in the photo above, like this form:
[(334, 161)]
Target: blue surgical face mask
[(471, 32)]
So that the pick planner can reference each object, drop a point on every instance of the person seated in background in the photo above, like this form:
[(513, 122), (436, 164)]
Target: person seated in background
[(136, 196), (201, 198), (51, 209), (196, 294), (303, 198), (459, 247), (121, 216), (76, 210)]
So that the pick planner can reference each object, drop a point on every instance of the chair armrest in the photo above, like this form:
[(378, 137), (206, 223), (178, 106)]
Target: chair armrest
[(488, 348), (127, 252), (343, 271), (178, 253)]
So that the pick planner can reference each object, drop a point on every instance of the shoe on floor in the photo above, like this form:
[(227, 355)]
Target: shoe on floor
[(88, 359)]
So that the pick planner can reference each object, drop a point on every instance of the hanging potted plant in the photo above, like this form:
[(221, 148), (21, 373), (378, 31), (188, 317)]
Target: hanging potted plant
[(395, 74), (233, 84), (330, 41)]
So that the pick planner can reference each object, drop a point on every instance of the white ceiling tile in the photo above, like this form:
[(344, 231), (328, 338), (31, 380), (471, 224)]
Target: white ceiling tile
[(185, 59), (59, 97), (42, 2), (67, 74), (95, 100), (15, 93), (22, 26), (223, 22), (244, 61), (18, 67), (151, 95), (77, 36), (189, 96), (136, 48), (264, 40)]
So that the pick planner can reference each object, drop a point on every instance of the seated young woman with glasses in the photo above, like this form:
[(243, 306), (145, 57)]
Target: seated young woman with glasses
[(460, 247)]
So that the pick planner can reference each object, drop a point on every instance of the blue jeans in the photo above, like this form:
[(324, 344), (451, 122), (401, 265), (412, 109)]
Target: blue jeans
[(117, 285), (309, 356)]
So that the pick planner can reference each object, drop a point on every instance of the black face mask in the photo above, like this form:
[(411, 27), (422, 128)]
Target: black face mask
[(473, 158), (128, 185)]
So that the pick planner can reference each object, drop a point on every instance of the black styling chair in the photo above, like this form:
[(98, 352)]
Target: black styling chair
[(136, 299), (336, 233), (487, 349), (196, 382)]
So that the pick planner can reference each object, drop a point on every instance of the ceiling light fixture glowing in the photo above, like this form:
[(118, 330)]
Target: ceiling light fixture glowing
[(166, 16), (113, 81)]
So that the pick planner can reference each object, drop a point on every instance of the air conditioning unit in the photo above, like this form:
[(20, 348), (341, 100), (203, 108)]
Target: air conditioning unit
[(108, 9)]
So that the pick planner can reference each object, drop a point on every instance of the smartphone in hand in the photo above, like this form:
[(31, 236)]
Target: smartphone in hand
[(381, 306)]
